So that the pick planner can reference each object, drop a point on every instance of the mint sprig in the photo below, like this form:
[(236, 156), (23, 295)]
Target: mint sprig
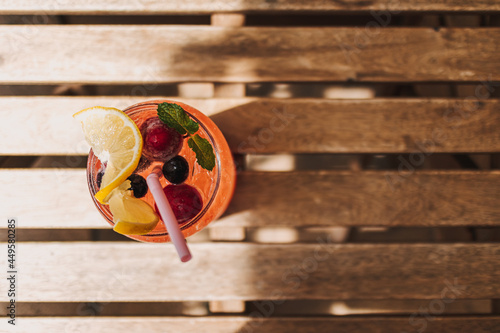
[(174, 116), (203, 150)]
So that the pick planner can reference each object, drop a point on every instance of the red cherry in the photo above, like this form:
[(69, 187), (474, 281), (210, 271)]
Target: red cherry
[(185, 200), (158, 138), (160, 141)]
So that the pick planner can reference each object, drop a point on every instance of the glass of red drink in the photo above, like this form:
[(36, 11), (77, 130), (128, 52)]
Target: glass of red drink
[(215, 188)]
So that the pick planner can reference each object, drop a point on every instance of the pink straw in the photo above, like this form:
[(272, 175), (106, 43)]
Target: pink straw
[(167, 215)]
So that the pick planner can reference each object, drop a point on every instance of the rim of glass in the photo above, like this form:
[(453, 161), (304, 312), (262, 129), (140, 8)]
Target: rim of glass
[(131, 110)]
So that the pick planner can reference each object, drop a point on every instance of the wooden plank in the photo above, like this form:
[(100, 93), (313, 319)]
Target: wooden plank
[(145, 7), (135, 271), (227, 234), (51, 198), (229, 90), (427, 198), (222, 324), (196, 90), (226, 306), (280, 234), (361, 126), (95, 54), (39, 196), (43, 125), (227, 20)]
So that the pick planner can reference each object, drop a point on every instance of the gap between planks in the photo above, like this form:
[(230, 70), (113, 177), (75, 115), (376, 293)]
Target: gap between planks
[(180, 7), (288, 308)]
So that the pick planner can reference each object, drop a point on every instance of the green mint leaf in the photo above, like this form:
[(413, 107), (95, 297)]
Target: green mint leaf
[(174, 116), (204, 152)]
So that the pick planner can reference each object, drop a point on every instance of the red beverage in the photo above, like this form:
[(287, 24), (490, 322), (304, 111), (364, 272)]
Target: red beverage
[(199, 199)]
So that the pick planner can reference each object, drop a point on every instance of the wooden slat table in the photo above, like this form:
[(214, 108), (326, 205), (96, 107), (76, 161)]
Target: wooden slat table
[(374, 212), (145, 7), (142, 54)]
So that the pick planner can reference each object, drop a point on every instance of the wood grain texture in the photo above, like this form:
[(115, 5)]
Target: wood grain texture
[(366, 198), (227, 20), (43, 125), (52, 198), (362, 126), (155, 54), (118, 271), (210, 6), (49, 198), (221, 324)]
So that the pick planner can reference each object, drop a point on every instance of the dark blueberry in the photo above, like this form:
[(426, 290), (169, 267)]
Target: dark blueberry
[(98, 178), (176, 170), (138, 185)]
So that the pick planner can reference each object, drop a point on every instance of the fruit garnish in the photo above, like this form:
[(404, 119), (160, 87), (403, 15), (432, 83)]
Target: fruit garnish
[(185, 201), (176, 170), (131, 216), (174, 116), (138, 185), (160, 141), (98, 178), (115, 139)]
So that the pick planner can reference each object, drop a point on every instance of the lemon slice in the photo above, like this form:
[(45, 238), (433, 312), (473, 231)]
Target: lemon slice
[(132, 216), (115, 139)]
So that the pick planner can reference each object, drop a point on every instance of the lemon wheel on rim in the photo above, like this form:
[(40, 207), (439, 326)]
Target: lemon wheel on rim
[(115, 140)]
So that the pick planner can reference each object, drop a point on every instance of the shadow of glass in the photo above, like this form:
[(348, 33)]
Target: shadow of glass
[(261, 126)]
